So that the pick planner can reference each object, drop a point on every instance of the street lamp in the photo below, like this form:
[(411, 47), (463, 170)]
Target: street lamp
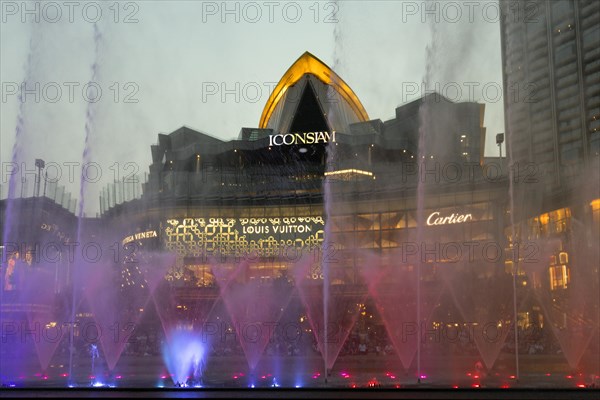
[(499, 141), (40, 164)]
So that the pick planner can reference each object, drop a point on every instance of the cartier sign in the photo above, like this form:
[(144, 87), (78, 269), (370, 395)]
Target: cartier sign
[(435, 218)]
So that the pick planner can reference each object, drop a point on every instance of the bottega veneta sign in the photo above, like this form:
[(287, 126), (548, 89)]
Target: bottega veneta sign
[(436, 219), (140, 236), (301, 138)]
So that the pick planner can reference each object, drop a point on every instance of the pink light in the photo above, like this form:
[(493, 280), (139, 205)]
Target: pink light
[(64, 375), (569, 377), (475, 385), (38, 374), (548, 374), (475, 376), (423, 376), (392, 376), (454, 386), (512, 377), (118, 377), (468, 374), (264, 377), (92, 377), (45, 377), (163, 377), (241, 374), (235, 377), (581, 385)]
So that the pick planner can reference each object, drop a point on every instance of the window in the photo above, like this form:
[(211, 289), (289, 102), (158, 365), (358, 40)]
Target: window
[(559, 277), (564, 52), (562, 9), (591, 37)]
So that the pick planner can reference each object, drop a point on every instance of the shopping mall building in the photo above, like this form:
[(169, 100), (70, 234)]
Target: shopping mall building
[(319, 180), (317, 163)]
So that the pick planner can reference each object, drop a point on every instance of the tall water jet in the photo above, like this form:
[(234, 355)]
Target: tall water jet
[(77, 279), (514, 239), (424, 129), (11, 292), (327, 204)]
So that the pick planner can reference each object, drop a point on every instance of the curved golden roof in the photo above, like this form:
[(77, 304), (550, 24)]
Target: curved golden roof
[(309, 64)]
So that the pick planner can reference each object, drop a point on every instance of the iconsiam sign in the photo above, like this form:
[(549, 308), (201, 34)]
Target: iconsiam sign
[(301, 138)]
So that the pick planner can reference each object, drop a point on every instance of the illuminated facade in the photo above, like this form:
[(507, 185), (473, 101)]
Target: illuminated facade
[(319, 182), (262, 195)]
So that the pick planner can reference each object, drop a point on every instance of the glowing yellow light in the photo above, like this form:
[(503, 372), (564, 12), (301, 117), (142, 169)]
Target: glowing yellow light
[(348, 171), (309, 64)]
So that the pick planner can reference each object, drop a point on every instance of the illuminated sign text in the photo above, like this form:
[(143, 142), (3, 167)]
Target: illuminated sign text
[(301, 138), (435, 218)]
